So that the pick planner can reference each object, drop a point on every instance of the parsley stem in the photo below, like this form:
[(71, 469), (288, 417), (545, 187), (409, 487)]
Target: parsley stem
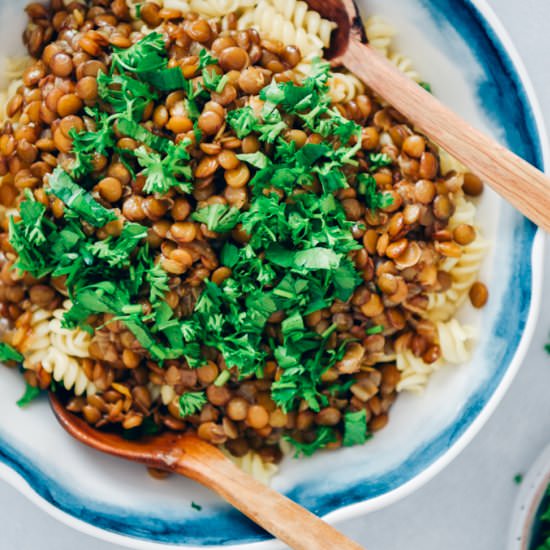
[(223, 377)]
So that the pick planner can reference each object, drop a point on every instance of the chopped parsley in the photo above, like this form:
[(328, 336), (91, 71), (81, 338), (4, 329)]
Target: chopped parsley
[(324, 436), (191, 403), (376, 329), (78, 199), (379, 160), (196, 506), (355, 428), (31, 393), (9, 353), (368, 189), (162, 172), (218, 217), (426, 85), (297, 260)]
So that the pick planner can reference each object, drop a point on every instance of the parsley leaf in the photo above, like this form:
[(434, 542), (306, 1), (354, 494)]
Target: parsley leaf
[(162, 172), (242, 121), (376, 329), (158, 283), (79, 200), (87, 143), (368, 188), (191, 403), (205, 59), (9, 353), (218, 217), (324, 436), (148, 54), (379, 160), (355, 428), (426, 85), (116, 251), (31, 393)]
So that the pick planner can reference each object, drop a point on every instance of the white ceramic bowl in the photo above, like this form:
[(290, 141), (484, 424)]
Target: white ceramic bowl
[(461, 48)]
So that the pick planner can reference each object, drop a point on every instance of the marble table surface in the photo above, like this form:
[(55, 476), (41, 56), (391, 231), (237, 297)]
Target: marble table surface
[(469, 505)]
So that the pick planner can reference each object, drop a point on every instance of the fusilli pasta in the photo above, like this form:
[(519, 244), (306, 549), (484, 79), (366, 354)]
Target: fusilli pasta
[(415, 373), (57, 350), (453, 339), (344, 87), (379, 33), (252, 464), (275, 26), (464, 270), (405, 65)]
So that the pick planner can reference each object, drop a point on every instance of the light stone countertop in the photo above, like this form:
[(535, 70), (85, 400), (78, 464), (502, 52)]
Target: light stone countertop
[(469, 505)]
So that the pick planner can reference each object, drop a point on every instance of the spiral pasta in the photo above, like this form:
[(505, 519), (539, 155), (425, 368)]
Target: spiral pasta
[(57, 350), (449, 164), (415, 373), (252, 464), (299, 13), (345, 87), (405, 65), (71, 342), (275, 26), (454, 340), (212, 8), (379, 33), (35, 346), (464, 270)]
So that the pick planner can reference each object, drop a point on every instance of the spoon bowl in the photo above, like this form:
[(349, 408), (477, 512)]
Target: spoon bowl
[(187, 455)]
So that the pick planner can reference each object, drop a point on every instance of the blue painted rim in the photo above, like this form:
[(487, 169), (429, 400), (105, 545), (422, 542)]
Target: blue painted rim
[(505, 98)]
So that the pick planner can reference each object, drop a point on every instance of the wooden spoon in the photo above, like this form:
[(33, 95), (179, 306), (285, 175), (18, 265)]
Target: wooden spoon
[(516, 180), (192, 457)]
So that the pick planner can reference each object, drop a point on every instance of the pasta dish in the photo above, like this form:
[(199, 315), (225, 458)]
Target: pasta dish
[(204, 227)]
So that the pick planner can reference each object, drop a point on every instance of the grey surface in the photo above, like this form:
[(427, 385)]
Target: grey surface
[(469, 505)]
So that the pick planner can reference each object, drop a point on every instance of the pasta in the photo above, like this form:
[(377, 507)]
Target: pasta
[(57, 351), (345, 87), (405, 65), (379, 34), (242, 197), (464, 271), (252, 464), (272, 23), (213, 8), (454, 340)]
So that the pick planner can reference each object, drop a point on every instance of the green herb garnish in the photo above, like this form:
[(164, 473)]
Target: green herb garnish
[(324, 436), (426, 85), (355, 428), (191, 403), (162, 172), (9, 353), (78, 199), (218, 217), (31, 393)]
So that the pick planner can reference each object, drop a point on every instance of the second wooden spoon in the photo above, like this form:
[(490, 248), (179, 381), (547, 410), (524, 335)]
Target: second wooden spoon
[(516, 180)]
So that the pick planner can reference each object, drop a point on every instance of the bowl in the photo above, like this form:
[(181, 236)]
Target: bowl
[(460, 47), (532, 493)]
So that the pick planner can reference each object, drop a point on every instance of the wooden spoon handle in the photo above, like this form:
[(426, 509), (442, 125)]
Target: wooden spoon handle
[(516, 180), (283, 518)]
